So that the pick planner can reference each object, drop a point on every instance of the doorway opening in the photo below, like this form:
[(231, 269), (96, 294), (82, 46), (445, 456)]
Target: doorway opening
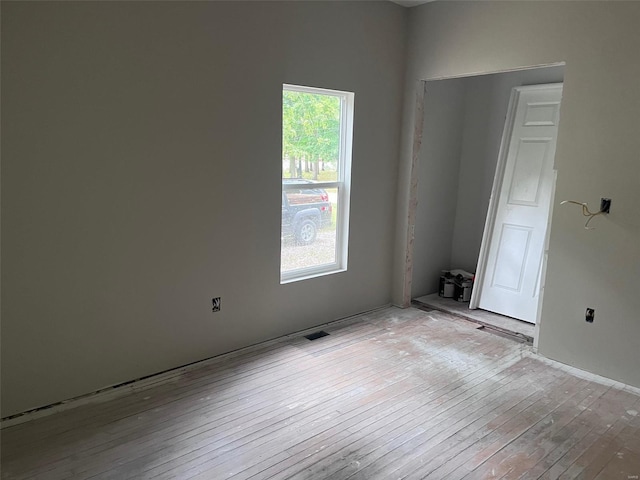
[(459, 177)]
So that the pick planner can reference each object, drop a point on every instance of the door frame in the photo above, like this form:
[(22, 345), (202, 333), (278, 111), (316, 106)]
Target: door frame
[(492, 211), (407, 210)]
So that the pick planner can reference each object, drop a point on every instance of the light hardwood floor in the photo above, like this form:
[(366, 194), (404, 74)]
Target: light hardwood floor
[(388, 395)]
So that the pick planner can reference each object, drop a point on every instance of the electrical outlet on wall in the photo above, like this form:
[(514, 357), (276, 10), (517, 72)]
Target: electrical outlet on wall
[(216, 304)]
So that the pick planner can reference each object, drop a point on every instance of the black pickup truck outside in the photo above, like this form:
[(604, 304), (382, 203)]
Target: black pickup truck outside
[(304, 211)]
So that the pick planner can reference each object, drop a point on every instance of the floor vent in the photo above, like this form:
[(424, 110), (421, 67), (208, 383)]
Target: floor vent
[(316, 335)]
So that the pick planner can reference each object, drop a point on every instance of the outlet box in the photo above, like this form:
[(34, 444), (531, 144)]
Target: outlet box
[(590, 315), (215, 301), (605, 205)]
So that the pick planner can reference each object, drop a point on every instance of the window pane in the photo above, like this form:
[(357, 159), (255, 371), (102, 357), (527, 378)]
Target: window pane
[(310, 136), (308, 228), (317, 128)]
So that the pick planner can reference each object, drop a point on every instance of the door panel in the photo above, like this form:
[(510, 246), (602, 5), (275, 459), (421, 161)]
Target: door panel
[(540, 114), (527, 172), (511, 279), (511, 256)]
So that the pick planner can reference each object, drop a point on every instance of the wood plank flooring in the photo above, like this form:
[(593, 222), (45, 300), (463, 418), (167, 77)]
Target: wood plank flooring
[(395, 394)]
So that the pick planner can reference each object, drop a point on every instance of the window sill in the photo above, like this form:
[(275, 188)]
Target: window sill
[(309, 275)]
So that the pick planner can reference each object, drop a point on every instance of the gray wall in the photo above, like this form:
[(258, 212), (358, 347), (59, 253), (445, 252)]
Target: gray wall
[(141, 177), (439, 170), (596, 156)]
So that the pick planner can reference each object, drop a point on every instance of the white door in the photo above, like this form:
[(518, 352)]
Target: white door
[(513, 262)]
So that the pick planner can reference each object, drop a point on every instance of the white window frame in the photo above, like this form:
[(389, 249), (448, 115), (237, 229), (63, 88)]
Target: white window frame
[(343, 186)]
